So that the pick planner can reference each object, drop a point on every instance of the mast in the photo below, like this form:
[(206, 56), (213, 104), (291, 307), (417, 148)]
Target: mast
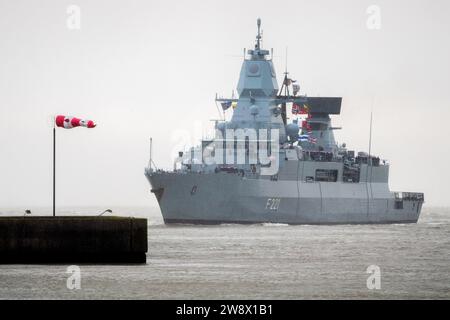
[(258, 37), (286, 92), (369, 163)]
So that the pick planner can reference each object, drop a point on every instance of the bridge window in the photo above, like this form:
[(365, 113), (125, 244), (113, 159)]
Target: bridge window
[(326, 175)]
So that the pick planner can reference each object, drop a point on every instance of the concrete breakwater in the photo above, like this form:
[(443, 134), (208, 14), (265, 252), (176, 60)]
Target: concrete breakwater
[(83, 239)]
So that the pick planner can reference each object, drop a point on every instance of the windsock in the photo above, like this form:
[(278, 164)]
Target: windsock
[(72, 122)]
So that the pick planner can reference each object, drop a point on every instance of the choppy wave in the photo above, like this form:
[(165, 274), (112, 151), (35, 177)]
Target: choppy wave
[(270, 224), (261, 261)]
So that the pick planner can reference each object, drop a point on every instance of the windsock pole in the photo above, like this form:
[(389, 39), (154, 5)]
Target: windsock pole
[(54, 167), (67, 123)]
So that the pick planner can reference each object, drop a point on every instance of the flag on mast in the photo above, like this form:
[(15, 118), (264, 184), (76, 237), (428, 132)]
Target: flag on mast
[(312, 140), (303, 137), (68, 122), (304, 109), (306, 125)]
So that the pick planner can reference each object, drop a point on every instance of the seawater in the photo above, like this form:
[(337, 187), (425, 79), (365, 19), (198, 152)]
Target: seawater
[(264, 261)]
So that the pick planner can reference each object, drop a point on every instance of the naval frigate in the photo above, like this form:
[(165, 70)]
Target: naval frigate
[(304, 177)]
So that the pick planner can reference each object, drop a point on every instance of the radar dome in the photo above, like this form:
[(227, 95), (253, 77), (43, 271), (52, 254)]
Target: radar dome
[(292, 130)]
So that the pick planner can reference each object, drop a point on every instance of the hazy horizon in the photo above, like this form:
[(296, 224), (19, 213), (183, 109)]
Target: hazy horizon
[(145, 69)]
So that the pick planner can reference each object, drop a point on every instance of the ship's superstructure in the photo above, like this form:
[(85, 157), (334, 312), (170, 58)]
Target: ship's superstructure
[(260, 168)]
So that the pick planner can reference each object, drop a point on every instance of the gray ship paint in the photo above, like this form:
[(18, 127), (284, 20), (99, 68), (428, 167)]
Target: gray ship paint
[(316, 181)]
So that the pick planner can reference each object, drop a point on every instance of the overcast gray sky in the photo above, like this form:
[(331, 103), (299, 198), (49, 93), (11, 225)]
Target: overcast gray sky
[(149, 68)]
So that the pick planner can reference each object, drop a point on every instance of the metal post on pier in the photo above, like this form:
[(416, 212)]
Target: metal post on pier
[(54, 167)]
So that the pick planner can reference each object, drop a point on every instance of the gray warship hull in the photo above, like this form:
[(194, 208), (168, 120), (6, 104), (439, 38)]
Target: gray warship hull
[(259, 168), (222, 198)]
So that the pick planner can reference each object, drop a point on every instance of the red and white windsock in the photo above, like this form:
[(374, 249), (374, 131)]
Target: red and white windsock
[(72, 122)]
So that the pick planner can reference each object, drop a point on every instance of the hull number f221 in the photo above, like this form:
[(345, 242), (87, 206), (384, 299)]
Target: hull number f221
[(273, 204)]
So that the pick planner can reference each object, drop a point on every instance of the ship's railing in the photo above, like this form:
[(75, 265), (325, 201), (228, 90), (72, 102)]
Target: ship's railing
[(319, 156), (324, 156), (409, 196)]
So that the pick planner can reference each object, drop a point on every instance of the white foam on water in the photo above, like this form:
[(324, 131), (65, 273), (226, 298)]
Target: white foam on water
[(270, 224)]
